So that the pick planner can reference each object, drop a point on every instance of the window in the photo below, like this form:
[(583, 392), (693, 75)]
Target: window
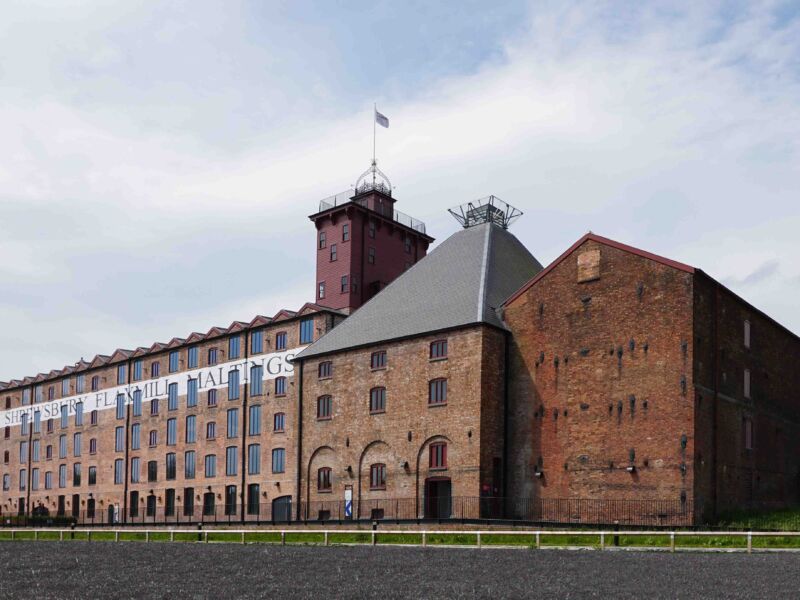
[(371, 229), (64, 416), (371, 255), (174, 361), (154, 369), (324, 479), (438, 455), (211, 465), (233, 346), (333, 252), (278, 460), (120, 408), (152, 470), (76, 444), (95, 383), (62, 445), (307, 330), (280, 386), (747, 383), (233, 422), (378, 360), (377, 400), (64, 388), (211, 430), (344, 284), (137, 370), (257, 342), (154, 406), (49, 426), (118, 473), (279, 422), (322, 240), (133, 507), (230, 500), (407, 244), (439, 349), (280, 341), (23, 424), (747, 424), (321, 290), (62, 476), (137, 403), (253, 495), (119, 439), (92, 417), (80, 384), (92, 475), (51, 392), (136, 430), (254, 459), (34, 479), (325, 369), (191, 429), (377, 477), (257, 380), (121, 377), (193, 357), (212, 356), (188, 502), (172, 396), (23, 476), (7, 481), (153, 438), (191, 393), (35, 450), (48, 452), (212, 397), (172, 432), (345, 232), (188, 465), (23, 452), (233, 385), (26, 396), (76, 475), (437, 391), (747, 334), (324, 407), (150, 508), (79, 413), (92, 446), (37, 421), (135, 470), (254, 420), (230, 460)]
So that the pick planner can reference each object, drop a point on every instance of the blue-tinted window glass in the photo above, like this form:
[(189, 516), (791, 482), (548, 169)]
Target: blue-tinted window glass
[(307, 330)]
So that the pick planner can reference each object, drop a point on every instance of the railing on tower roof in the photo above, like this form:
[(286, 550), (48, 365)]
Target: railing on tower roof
[(347, 196)]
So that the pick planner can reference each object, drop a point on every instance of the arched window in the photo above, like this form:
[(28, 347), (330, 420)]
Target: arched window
[(437, 391), (324, 407), (324, 479), (279, 422), (438, 455), (280, 386), (439, 349), (377, 400), (377, 476)]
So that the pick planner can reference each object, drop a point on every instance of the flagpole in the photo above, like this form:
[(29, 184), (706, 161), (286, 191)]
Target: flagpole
[(374, 119)]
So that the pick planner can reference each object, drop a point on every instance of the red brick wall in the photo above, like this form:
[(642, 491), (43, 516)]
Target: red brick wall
[(596, 371)]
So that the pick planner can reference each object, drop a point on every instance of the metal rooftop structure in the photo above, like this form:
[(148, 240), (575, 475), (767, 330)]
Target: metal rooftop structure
[(485, 210)]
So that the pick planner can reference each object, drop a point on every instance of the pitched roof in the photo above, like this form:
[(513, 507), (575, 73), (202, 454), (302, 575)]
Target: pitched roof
[(606, 242), (461, 282)]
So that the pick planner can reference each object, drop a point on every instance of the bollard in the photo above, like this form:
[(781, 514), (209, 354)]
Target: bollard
[(147, 536), (72, 531), (206, 536), (89, 535), (538, 540), (479, 539), (199, 532), (326, 538), (749, 542), (171, 535), (373, 537), (616, 536), (672, 541), (283, 538), (116, 536), (602, 541), (424, 539)]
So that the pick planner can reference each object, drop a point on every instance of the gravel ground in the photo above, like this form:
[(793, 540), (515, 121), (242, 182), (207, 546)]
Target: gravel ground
[(162, 570)]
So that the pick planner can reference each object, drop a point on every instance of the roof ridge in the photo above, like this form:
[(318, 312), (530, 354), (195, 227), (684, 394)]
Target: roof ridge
[(484, 269)]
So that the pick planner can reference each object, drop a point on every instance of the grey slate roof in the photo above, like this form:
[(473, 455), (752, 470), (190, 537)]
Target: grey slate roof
[(462, 281)]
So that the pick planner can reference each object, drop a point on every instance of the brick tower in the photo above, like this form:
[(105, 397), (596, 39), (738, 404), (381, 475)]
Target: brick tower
[(363, 243)]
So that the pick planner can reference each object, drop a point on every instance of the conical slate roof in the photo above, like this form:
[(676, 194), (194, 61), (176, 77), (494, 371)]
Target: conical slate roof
[(461, 282)]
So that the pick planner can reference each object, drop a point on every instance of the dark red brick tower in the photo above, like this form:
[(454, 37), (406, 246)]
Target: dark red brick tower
[(363, 243)]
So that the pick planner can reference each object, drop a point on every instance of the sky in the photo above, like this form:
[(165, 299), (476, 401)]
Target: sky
[(158, 161)]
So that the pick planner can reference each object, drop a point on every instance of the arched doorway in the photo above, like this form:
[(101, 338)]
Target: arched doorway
[(438, 499), (282, 509)]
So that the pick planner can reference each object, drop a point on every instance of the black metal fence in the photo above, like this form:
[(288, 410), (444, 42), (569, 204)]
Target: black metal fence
[(651, 513)]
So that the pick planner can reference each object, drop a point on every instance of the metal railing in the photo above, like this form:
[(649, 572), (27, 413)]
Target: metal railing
[(397, 216), (459, 538)]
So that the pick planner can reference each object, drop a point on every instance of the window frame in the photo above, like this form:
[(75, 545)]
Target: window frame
[(377, 471), (324, 480), (435, 388), (324, 401), (438, 350), (378, 360), (377, 400), (434, 456)]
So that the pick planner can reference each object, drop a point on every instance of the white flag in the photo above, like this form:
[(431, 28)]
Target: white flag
[(381, 119)]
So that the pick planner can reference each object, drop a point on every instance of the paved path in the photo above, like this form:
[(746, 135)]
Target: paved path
[(161, 570)]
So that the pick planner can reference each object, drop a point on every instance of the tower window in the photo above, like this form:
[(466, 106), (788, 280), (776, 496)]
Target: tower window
[(333, 252), (324, 407), (407, 244), (345, 232), (437, 391), (344, 284), (371, 255), (321, 290), (322, 241), (747, 334), (371, 229)]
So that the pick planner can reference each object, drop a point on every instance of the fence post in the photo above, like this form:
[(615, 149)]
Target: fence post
[(89, 536), (116, 536), (147, 535), (61, 535), (171, 535), (373, 537), (12, 535), (243, 536), (672, 541), (424, 539), (35, 535), (283, 538), (479, 539), (326, 538), (602, 541), (538, 540), (206, 535), (749, 542)]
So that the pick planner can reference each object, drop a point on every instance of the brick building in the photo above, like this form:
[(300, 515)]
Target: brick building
[(613, 385)]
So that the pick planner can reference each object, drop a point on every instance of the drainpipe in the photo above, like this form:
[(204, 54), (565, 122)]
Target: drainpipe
[(506, 419), (300, 435), (28, 475), (127, 443), (244, 417), (714, 405)]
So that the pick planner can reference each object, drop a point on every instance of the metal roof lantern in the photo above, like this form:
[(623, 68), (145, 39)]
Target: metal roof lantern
[(485, 210)]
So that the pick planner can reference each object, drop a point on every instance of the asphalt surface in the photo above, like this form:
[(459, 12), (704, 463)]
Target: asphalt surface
[(162, 570)]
